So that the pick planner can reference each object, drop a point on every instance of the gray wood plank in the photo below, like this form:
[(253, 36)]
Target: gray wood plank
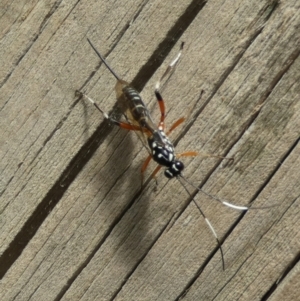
[(288, 289), (104, 241)]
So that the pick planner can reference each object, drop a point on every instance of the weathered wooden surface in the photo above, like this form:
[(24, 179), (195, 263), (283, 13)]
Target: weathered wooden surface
[(73, 224)]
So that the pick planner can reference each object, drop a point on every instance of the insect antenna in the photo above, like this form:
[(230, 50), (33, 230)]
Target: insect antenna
[(224, 202), (228, 204), (181, 178), (104, 61), (206, 220)]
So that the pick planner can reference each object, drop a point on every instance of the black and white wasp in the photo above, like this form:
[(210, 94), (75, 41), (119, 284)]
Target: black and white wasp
[(160, 147)]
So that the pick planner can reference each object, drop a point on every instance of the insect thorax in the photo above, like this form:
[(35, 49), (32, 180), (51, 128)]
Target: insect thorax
[(163, 153)]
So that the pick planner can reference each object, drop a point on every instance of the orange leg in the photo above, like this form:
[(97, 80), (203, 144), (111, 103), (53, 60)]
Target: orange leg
[(156, 170), (144, 167), (175, 125), (187, 154), (162, 108), (126, 126)]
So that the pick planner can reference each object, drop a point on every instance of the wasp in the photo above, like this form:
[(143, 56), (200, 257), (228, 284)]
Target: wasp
[(153, 136)]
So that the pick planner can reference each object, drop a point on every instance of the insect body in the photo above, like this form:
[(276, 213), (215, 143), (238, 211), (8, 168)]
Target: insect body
[(154, 137), (161, 149)]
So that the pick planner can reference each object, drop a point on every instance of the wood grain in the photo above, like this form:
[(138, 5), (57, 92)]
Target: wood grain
[(74, 223)]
